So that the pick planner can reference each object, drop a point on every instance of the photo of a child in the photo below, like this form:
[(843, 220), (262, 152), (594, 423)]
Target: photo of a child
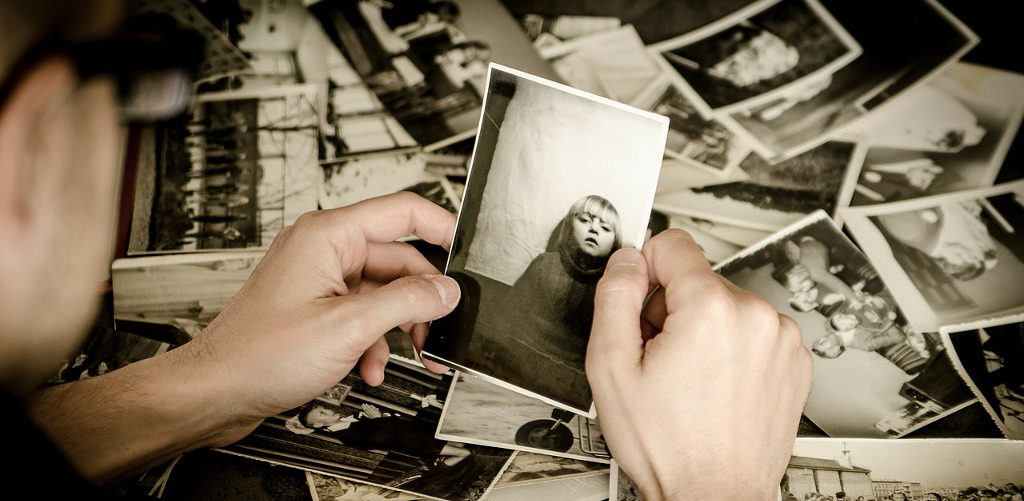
[(556, 292), (537, 225)]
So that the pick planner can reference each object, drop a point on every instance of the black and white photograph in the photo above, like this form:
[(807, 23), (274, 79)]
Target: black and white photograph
[(529, 468), (427, 61), (769, 50), (775, 195), (614, 64), (912, 42), (229, 175), (380, 435), (949, 135), (178, 292), (911, 469), (875, 375), (948, 258), (484, 413), (559, 180), (693, 139), (586, 488), (990, 356), (328, 488), (356, 178)]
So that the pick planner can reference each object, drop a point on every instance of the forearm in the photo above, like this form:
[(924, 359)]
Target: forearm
[(119, 424)]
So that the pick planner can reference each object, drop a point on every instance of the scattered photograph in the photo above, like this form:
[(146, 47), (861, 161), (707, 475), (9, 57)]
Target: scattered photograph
[(382, 436), (990, 356), (547, 201), (177, 292), (528, 468), (229, 175), (775, 195), (427, 61), (949, 258), (677, 175), (221, 55), (767, 51), (549, 30), (328, 488), (908, 469), (693, 139), (614, 64), (480, 412), (587, 488), (949, 135), (357, 178), (875, 374), (911, 43)]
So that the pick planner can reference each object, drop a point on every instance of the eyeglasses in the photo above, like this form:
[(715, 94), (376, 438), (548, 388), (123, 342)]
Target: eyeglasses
[(152, 62)]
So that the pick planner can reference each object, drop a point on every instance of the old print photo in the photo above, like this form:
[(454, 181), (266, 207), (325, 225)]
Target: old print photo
[(484, 413), (949, 135), (426, 61), (766, 50), (948, 258), (381, 435), (911, 42), (559, 180), (990, 356), (875, 375)]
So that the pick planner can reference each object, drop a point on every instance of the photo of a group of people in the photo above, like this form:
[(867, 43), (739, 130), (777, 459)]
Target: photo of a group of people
[(876, 374), (229, 175)]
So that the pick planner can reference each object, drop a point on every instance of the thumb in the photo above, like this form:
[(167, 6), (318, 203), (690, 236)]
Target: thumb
[(615, 338)]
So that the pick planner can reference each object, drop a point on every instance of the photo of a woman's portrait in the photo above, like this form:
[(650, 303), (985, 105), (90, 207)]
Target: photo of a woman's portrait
[(559, 181)]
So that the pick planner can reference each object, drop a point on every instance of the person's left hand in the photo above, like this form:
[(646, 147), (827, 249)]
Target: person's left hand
[(321, 300)]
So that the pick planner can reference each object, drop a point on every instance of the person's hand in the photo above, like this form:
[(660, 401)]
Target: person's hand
[(321, 300), (699, 390)]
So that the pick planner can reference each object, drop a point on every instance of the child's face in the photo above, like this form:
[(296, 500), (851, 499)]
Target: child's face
[(594, 236), (844, 322), (798, 279), (320, 417)]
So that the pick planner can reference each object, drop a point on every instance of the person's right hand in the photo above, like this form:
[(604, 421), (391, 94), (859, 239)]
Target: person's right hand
[(699, 390)]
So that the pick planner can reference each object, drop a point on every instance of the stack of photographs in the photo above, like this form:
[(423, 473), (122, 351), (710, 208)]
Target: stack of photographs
[(781, 134)]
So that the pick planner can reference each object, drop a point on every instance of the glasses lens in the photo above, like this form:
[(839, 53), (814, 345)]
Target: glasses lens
[(153, 95)]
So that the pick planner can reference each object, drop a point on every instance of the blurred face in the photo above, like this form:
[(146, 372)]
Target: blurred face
[(828, 346), (761, 58), (320, 417), (594, 236), (844, 322), (799, 279)]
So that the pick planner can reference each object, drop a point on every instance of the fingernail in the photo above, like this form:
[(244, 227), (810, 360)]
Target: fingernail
[(447, 288), (625, 257)]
